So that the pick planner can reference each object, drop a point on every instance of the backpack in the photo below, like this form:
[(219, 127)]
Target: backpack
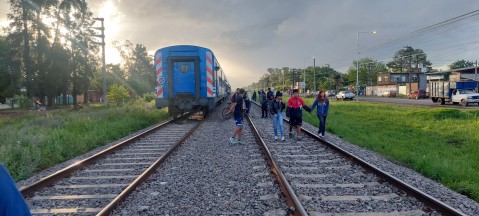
[(270, 95)]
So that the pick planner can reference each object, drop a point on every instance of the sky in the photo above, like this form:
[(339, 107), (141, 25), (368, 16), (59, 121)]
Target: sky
[(249, 36)]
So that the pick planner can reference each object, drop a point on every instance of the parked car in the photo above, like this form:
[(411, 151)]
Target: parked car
[(389, 94), (417, 94), (330, 93), (343, 95)]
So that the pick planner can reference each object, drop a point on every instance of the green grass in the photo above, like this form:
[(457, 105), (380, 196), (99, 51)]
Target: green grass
[(441, 143), (35, 141)]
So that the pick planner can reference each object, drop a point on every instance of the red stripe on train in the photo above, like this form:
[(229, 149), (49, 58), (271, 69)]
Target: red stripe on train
[(209, 80), (210, 91), (208, 59)]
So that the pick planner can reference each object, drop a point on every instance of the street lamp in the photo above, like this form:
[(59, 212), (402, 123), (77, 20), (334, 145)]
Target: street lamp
[(304, 74), (314, 73), (357, 64)]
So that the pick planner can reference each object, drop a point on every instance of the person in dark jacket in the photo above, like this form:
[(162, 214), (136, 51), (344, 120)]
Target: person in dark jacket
[(264, 105), (295, 113), (322, 104), (247, 102), (270, 95), (253, 97), (233, 99), (276, 111), (11, 201)]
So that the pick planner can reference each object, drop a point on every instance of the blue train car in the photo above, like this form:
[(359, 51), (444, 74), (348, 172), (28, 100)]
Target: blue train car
[(187, 78)]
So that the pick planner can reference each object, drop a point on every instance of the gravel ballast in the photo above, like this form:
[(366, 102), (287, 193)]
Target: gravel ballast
[(208, 175)]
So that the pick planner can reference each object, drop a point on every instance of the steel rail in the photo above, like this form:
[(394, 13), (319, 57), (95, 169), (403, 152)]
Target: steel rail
[(28, 191), (143, 177), (285, 187), (413, 191)]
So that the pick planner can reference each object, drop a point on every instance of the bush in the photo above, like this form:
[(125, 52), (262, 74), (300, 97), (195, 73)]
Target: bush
[(118, 94), (149, 97), (22, 101)]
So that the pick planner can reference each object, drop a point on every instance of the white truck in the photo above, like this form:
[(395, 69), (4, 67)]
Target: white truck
[(454, 92)]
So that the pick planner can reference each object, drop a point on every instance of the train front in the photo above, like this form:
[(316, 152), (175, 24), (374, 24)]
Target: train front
[(184, 79)]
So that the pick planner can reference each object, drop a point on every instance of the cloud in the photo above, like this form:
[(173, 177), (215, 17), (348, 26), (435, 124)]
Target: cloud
[(248, 36)]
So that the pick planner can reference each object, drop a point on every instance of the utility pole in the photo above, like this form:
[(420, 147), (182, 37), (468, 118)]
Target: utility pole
[(409, 67), (314, 73), (103, 67), (475, 76), (369, 74)]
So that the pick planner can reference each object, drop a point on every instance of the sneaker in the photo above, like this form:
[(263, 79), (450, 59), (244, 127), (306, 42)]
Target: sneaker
[(233, 140), (320, 135), (282, 138), (240, 142), (290, 135), (275, 138)]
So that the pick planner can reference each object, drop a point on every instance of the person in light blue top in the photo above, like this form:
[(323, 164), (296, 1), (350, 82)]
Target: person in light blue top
[(322, 104), (11, 201), (276, 111)]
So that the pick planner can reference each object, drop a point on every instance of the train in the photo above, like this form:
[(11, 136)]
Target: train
[(188, 78)]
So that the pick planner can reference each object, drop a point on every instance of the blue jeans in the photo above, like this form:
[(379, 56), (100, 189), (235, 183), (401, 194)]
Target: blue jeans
[(322, 124), (278, 122), (248, 106)]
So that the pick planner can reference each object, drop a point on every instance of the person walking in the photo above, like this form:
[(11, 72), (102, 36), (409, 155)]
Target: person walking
[(247, 102), (295, 113), (322, 104), (276, 111), (11, 200), (264, 105), (254, 96), (235, 95), (237, 108)]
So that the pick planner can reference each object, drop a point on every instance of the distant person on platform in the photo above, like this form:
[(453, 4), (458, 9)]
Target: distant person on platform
[(295, 113), (322, 102), (237, 108), (276, 111), (11, 201), (254, 96)]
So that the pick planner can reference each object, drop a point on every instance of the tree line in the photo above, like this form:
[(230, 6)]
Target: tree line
[(405, 60), (49, 50)]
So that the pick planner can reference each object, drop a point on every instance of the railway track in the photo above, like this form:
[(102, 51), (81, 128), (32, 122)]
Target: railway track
[(101, 182), (319, 178)]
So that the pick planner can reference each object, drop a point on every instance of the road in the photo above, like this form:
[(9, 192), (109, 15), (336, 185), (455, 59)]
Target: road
[(420, 102)]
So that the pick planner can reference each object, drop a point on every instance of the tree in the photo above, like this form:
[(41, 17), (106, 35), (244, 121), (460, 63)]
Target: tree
[(118, 93), (409, 57), (137, 66), (41, 47), (461, 64), (368, 72)]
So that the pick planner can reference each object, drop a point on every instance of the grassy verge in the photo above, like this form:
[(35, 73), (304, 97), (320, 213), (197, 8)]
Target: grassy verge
[(441, 143), (33, 142)]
